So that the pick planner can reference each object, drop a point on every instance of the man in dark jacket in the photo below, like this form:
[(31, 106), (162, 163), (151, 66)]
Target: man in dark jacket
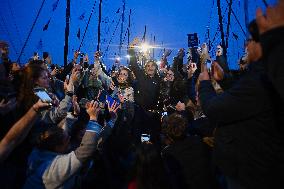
[(271, 29), (146, 96), (247, 141)]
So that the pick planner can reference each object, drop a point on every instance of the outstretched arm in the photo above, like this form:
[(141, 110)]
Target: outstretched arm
[(20, 130)]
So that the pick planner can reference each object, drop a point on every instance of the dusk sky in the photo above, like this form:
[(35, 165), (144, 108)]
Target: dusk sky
[(169, 21)]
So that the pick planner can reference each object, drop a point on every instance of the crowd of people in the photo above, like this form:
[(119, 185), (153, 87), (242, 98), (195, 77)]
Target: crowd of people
[(193, 124)]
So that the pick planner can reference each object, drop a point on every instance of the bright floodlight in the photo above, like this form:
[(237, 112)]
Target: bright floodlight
[(117, 59), (144, 47), (127, 56)]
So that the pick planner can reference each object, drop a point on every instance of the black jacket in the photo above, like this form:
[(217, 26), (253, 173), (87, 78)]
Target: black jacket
[(247, 142), (146, 90), (272, 43), (189, 164)]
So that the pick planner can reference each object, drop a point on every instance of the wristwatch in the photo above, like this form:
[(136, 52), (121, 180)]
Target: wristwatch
[(69, 93)]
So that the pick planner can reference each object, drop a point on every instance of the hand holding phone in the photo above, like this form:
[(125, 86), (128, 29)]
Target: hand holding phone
[(110, 100), (43, 95)]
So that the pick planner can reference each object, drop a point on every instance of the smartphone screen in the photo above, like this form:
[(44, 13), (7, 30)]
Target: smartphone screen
[(102, 97), (164, 114), (208, 65), (43, 96), (110, 100), (145, 138)]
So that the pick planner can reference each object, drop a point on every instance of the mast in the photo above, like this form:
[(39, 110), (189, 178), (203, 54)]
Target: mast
[(121, 29), (144, 35), (221, 28), (128, 29), (99, 25), (246, 16), (228, 23), (67, 28), (154, 41)]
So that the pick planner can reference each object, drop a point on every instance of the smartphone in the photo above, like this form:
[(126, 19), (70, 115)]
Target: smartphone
[(115, 81), (43, 95), (103, 96), (208, 65), (110, 100), (145, 137), (164, 114)]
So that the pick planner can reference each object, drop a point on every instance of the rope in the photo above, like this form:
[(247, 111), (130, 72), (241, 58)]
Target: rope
[(14, 22), (112, 35), (22, 50), (237, 21), (8, 34), (87, 25)]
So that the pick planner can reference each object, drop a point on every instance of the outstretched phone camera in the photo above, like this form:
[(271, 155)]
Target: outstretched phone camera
[(43, 95), (208, 65), (110, 100)]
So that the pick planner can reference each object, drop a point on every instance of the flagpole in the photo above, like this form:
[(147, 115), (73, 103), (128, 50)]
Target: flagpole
[(99, 25), (67, 26)]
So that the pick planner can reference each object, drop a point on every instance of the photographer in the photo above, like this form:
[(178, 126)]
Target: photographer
[(37, 76), (246, 127)]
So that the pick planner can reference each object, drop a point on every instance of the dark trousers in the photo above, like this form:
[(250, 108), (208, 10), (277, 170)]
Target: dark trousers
[(146, 122)]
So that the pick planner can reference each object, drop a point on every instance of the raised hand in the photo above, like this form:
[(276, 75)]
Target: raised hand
[(134, 43), (274, 17), (97, 55), (167, 53), (180, 106), (75, 55), (93, 109), (218, 72), (112, 108), (40, 106), (191, 69), (76, 105), (86, 58)]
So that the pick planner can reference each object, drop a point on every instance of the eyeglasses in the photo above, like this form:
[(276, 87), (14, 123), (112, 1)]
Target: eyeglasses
[(124, 74)]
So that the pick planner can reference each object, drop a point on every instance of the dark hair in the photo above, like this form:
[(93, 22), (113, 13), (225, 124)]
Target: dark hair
[(26, 96), (175, 127), (49, 137), (36, 62), (130, 78), (149, 169)]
